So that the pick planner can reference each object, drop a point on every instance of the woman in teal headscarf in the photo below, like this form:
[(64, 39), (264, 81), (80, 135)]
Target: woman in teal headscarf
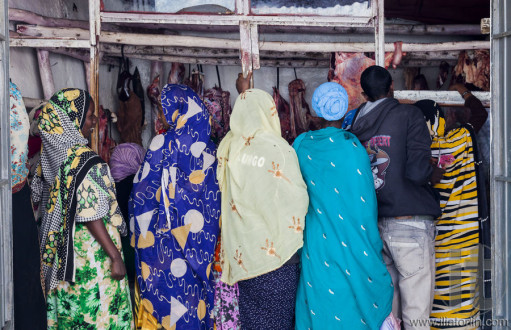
[(344, 283)]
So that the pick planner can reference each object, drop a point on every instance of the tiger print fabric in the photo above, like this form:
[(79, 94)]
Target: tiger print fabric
[(456, 299)]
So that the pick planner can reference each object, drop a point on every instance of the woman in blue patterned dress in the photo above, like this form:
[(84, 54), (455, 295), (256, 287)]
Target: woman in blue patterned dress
[(175, 210)]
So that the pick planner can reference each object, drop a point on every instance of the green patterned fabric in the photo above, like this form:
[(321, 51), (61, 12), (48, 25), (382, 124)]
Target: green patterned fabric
[(94, 300)]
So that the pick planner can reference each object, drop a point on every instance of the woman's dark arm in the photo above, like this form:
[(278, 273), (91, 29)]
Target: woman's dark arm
[(98, 230)]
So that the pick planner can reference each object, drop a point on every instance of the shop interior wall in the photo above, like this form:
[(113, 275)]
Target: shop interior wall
[(69, 72)]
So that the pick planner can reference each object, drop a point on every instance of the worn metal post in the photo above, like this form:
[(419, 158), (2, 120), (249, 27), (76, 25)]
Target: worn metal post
[(6, 279), (500, 174)]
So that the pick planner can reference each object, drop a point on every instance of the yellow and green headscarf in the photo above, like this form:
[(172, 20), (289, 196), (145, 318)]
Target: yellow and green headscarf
[(65, 160), (264, 198)]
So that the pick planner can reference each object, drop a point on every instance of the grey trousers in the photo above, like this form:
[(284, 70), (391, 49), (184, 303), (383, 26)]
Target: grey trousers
[(409, 254)]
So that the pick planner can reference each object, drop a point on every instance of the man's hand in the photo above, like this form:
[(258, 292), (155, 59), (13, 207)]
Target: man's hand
[(460, 88), (437, 175), (242, 84)]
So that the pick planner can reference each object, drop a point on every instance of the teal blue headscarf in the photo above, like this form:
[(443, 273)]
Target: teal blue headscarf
[(344, 283)]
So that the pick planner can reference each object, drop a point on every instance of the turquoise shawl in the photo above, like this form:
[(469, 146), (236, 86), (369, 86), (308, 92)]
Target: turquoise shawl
[(344, 283)]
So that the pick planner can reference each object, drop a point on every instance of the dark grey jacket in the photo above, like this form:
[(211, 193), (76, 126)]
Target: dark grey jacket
[(397, 140)]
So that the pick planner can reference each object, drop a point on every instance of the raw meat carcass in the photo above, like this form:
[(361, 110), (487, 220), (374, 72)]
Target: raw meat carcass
[(473, 67), (197, 83), (128, 120), (346, 68), (300, 112), (176, 73), (284, 116), (153, 93), (106, 144), (218, 104)]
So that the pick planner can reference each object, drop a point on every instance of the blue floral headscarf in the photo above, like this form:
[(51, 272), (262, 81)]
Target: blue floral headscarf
[(174, 211)]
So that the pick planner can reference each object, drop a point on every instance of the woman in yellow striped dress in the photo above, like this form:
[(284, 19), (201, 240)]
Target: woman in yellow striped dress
[(456, 299)]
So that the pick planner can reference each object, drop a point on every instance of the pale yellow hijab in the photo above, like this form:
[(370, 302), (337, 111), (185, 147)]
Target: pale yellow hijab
[(264, 198)]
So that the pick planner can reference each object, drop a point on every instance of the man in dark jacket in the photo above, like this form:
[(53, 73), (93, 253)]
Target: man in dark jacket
[(398, 143)]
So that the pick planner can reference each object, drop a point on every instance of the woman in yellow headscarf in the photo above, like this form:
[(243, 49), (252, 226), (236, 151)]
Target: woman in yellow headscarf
[(264, 201)]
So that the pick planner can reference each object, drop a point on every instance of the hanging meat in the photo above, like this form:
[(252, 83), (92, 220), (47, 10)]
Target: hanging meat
[(123, 80), (473, 67), (346, 68), (299, 109), (197, 82), (139, 91), (284, 112), (176, 73), (106, 144), (129, 117), (218, 103), (153, 93)]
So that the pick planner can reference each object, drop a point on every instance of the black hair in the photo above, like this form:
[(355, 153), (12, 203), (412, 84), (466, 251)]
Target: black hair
[(375, 82)]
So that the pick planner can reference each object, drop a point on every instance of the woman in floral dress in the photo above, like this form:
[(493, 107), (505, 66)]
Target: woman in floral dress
[(82, 270)]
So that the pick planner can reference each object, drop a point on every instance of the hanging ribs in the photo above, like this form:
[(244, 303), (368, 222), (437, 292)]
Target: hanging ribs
[(284, 116), (300, 111)]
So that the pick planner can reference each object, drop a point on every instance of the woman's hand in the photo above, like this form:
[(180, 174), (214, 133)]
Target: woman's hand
[(98, 230), (118, 269)]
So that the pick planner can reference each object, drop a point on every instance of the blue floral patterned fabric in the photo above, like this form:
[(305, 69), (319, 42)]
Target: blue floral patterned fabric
[(174, 211), (19, 138)]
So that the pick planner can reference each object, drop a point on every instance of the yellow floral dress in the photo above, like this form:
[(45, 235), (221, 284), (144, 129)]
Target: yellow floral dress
[(94, 300)]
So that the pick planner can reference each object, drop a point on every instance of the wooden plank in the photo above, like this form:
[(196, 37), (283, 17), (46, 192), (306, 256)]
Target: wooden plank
[(246, 48), (167, 40), (94, 92), (190, 41), (53, 32), (423, 63), (369, 47), (115, 50), (242, 7), (445, 98), (43, 58), (254, 40), (94, 30), (159, 18), (47, 43), (232, 61), (80, 54), (95, 21), (379, 33), (19, 15)]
